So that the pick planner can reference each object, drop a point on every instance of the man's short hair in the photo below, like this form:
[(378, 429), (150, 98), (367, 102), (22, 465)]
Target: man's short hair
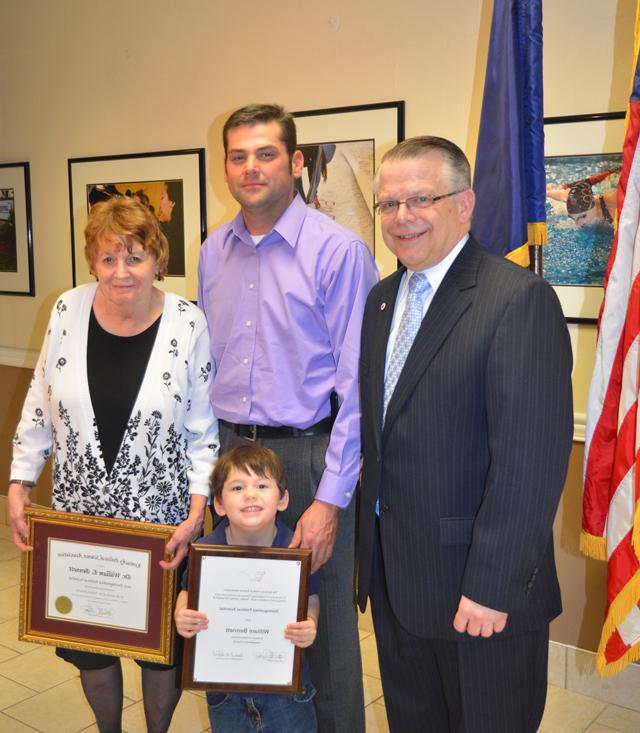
[(248, 457), (425, 145), (254, 114)]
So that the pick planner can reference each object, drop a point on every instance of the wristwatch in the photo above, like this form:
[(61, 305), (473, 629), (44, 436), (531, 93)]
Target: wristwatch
[(22, 482)]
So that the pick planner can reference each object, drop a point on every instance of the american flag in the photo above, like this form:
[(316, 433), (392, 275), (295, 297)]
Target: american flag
[(611, 502)]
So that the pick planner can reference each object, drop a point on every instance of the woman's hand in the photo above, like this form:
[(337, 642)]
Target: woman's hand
[(18, 497), (185, 533)]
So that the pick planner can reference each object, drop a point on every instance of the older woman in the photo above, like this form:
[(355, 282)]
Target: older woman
[(119, 397)]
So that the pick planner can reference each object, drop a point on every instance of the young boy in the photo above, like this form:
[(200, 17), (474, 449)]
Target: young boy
[(249, 487)]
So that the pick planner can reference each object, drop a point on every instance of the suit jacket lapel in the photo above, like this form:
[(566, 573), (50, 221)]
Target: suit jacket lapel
[(384, 308), (451, 300)]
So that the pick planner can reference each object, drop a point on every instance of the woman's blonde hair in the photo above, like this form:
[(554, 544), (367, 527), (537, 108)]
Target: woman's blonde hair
[(130, 222)]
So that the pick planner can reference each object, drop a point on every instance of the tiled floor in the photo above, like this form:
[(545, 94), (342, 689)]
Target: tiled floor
[(39, 692)]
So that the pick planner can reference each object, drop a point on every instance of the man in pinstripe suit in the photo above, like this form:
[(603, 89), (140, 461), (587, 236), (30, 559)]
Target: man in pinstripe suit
[(466, 434)]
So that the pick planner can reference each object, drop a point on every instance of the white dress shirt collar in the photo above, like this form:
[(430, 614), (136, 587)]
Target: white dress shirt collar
[(435, 275)]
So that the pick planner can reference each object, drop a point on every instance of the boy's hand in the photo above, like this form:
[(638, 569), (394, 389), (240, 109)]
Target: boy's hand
[(301, 633), (189, 623)]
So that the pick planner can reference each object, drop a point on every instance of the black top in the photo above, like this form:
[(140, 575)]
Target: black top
[(115, 369)]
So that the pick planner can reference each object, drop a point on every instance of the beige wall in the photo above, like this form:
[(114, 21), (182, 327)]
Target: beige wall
[(85, 79), (13, 387), (582, 580)]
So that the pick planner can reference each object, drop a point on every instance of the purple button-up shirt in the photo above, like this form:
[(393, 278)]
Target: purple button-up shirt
[(284, 318)]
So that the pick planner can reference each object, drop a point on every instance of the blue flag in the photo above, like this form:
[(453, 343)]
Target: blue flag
[(509, 178)]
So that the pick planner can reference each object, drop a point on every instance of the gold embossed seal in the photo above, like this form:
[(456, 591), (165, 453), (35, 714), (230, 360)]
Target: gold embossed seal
[(63, 604)]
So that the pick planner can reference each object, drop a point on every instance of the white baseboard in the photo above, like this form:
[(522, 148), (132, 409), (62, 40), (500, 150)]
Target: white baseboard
[(575, 670)]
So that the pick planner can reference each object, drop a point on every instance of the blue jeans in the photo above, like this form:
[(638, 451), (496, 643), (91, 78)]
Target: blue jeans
[(237, 713)]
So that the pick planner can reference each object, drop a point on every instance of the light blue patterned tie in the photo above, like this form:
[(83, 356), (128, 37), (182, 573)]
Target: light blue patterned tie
[(409, 325)]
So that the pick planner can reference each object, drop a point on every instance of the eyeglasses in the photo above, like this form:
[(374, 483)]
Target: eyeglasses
[(391, 208)]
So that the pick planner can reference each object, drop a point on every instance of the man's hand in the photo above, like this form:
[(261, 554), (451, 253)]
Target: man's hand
[(17, 499), (316, 531), (185, 533), (477, 620)]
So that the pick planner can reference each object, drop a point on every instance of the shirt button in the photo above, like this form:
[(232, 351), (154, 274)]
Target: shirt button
[(244, 399), (248, 324), (347, 494), (250, 286), (245, 360)]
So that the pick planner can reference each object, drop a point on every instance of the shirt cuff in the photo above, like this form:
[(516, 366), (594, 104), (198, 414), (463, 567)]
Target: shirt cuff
[(24, 475), (336, 490), (202, 489)]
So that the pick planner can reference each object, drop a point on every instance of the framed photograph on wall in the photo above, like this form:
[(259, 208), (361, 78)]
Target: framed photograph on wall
[(582, 164), (171, 183), (16, 243), (342, 147)]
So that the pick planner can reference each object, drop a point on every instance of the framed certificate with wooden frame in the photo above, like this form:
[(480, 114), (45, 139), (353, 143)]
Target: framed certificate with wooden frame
[(249, 595), (95, 584)]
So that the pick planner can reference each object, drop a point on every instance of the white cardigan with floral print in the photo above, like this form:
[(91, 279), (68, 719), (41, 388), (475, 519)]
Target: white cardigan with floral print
[(171, 440)]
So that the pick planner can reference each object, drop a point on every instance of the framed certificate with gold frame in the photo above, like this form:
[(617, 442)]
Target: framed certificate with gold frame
[(95, 584)]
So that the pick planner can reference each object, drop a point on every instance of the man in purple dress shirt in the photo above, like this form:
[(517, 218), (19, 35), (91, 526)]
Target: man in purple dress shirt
[(283, 287)]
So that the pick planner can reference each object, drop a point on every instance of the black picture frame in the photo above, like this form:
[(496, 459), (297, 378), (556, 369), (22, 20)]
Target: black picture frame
[(151, 176), (358, 136), (16, 235), (575, 136)]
